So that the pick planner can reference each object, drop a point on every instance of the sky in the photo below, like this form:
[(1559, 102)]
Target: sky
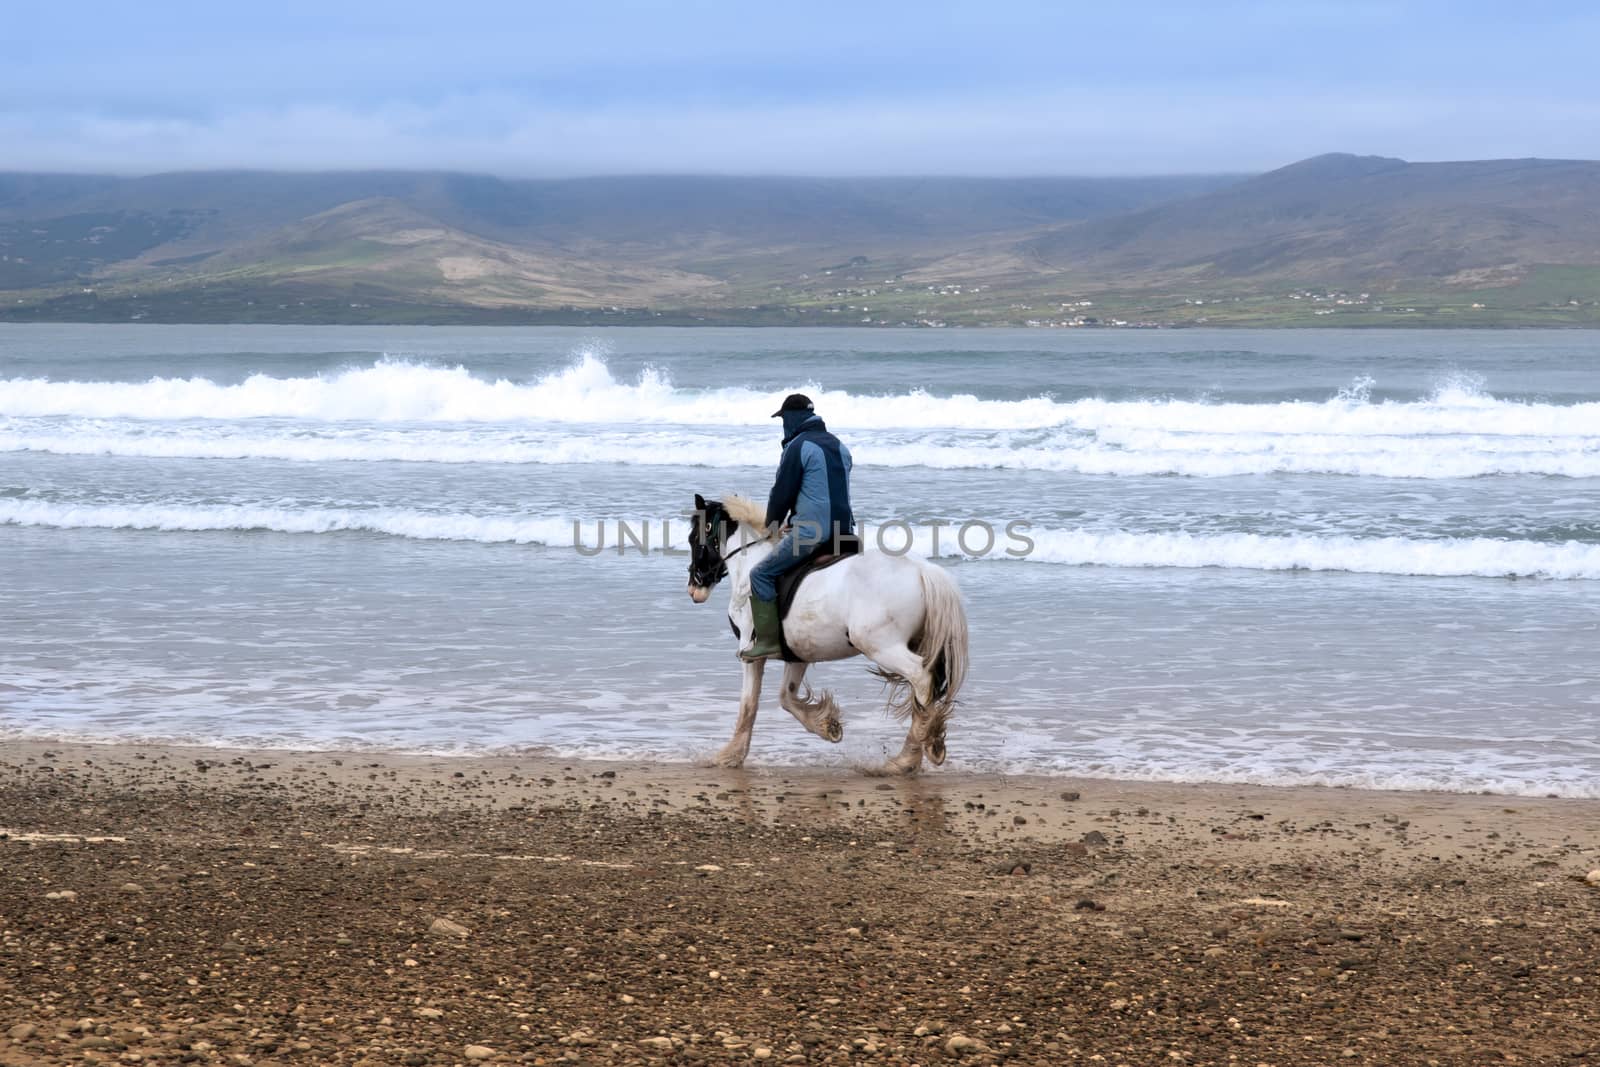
[(983, 87)]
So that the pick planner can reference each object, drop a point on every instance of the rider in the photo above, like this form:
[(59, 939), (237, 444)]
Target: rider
[(813, 486)]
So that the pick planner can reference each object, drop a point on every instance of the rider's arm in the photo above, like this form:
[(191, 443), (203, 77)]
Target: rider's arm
[(786, 490)]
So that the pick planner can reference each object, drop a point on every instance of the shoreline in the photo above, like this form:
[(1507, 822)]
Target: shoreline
[(520, 779), (856, 767), (1030, 784), (256, 908)]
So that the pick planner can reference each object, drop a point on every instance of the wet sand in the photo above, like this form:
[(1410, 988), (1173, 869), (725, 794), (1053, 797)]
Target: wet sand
[(170, 905)]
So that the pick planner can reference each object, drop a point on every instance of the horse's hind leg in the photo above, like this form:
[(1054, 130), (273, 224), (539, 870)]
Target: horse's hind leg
[(738, 746), (909, 761), (819, 714), (900, 661)]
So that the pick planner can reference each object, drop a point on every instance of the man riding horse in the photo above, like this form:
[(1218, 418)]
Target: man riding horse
[(811, 494)]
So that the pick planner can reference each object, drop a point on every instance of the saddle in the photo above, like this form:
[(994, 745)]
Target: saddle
[(843, 547)]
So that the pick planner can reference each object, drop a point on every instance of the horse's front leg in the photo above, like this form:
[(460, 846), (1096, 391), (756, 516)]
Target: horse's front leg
[(818, 713), (738, 746)]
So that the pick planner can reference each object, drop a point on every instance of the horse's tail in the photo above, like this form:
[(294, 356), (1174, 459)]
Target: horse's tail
[(943, 647)]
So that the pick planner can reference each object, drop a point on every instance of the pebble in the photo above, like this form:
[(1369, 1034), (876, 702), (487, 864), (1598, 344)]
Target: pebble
[(663, 1043), (22, 1031), (478, 1052), (960, 1044), (761, 1052), (130, 887), (1593, 877), (61, 894), (446, 928)]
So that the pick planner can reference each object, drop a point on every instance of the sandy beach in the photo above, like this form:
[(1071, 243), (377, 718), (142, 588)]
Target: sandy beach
[(168, 905)]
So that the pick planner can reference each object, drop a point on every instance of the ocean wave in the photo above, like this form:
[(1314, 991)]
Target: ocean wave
[(200, 518), (399, 391), (1436, 557), (1114, 452), (1443, 557)]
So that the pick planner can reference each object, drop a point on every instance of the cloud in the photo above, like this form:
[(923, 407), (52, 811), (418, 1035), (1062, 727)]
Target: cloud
[(930, 86), (1063, 132)]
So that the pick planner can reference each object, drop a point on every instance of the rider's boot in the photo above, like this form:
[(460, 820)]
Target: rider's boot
[(765, 645)]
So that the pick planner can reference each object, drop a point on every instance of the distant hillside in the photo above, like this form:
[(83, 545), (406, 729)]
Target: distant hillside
[(1353, 220), (1478, 243), (750, 214), (442, 245)]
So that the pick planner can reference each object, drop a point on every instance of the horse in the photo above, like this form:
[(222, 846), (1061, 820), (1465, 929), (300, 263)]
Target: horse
[(903, 614)]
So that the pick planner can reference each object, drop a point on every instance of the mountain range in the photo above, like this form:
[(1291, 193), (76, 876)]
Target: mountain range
[(1339, 238)]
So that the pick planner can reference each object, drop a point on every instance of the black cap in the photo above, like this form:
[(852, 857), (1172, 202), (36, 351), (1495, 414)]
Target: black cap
[(795, 402)]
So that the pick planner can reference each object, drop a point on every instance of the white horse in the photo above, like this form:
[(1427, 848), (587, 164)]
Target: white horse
[(904, 614)]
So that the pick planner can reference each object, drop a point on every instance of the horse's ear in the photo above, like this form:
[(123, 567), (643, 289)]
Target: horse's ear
[(699, 502)]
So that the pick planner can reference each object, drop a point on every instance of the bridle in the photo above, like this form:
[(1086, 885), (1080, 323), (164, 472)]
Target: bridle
[(715, 514)]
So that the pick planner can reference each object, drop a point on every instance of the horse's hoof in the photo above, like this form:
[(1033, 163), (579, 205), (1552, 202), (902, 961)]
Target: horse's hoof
[(833, 730), (900, 767), (936, 752)]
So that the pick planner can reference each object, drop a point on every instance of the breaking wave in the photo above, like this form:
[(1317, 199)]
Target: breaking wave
[(398, 391), (1110, 452), (1438, 557), (395, 411)]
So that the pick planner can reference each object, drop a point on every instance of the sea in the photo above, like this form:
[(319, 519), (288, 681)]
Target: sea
[(1353, 558)]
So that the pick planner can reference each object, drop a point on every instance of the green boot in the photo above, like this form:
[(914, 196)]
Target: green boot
[(766, 643)]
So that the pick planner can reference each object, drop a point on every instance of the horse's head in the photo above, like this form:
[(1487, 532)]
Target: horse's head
[(707, 566)]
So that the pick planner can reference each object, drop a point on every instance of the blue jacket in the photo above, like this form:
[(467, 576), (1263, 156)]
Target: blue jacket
[(813, 484)]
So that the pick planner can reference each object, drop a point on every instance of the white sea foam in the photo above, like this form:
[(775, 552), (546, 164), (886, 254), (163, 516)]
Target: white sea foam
[(1480, 770), (1442, 557), (396, 522), (393, 391), (1399, 771), (378, 444), (396, 411), (586, 392), (1109, 452)]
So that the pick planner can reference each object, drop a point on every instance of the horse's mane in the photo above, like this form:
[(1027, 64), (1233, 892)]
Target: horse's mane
[(748, 512)]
